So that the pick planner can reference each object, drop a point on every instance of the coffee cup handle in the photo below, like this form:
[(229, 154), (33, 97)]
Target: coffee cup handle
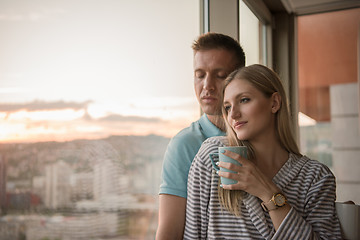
[(211, 155)]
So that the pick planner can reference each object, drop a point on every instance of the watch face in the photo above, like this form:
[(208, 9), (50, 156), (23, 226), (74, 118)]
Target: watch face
[(280, 200)]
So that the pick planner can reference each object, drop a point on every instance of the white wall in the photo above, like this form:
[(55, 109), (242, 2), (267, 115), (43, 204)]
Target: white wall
[(346, 140)]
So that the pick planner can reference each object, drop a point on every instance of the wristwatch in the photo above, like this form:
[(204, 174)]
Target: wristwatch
[(278, 200)]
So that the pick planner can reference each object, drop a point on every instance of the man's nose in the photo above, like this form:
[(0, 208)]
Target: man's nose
[(209, 83)]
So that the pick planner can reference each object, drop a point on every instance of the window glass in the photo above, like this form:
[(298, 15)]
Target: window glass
[(253, 36), (249, 34), (328, 95), (91, 93)]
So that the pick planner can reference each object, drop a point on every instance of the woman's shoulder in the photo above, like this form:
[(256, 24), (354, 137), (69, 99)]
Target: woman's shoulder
[(211, 145), (311, 167), (213, 142), (220, 141)]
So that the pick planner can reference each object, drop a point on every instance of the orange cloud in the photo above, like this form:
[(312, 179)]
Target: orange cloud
[(39, 105)]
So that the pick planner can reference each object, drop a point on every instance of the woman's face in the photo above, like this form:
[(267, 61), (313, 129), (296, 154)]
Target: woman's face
[(249, 112)]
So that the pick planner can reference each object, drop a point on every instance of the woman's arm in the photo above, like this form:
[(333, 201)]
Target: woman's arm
[(199, 185), (199, 181), (253, 181), (319, 220)]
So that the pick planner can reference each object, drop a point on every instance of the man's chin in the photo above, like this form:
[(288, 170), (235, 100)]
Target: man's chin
[(217, 119), (211, 112), (214, 114)]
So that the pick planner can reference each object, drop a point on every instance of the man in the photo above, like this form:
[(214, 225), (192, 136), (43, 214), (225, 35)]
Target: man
[(215, 56)]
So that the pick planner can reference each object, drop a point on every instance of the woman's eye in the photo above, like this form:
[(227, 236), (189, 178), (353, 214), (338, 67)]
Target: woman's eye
[(227, 108), (245, 100)]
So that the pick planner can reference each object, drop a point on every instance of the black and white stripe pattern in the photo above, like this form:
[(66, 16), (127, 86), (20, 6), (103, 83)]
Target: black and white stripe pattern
[(308, 185)]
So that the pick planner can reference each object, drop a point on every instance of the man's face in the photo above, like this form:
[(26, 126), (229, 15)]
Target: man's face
[(211, 67)]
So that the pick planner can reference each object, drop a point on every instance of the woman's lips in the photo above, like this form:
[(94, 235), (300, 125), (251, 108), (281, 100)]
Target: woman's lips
[(238, 125)]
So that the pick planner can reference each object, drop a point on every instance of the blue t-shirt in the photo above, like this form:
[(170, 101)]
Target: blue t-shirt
[(180, 153)]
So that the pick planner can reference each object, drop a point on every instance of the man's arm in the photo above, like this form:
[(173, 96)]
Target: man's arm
[(171, 217), (173, 189)]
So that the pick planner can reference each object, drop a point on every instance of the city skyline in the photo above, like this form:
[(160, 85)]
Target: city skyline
[(56, 189), (81, 169)]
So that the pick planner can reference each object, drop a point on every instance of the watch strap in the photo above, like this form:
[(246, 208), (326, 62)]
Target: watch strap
[(269, 206)]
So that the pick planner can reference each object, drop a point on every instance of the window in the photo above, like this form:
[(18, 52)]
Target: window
[(254, 34), (91, 92), (328, 94)]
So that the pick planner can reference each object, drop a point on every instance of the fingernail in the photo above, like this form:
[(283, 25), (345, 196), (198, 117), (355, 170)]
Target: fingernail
[(217, 172), (222, 151), (217, 164), (221, 185)]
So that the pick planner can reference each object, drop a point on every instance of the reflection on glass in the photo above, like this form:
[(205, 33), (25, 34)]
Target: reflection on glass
[(326, 44), (91, 93), (82, 188)]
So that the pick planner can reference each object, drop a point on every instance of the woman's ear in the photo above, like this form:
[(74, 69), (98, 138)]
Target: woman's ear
[(276, 102)]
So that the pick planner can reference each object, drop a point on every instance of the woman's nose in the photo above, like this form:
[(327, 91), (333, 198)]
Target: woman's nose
[(234, 112)]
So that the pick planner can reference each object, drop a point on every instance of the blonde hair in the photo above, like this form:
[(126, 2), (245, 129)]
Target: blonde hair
[(268, 82)]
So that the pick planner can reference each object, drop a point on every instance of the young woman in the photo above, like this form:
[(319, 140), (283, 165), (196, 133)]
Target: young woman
[(280, 194)]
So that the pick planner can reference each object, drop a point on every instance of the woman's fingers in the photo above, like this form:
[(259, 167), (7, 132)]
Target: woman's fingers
[(236, 157), (234, 176), (230, 166), (249, 178), (247, 174)]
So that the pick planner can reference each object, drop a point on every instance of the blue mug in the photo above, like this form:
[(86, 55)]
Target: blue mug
[(242, 150)]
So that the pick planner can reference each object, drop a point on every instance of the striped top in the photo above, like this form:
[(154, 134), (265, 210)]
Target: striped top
[(308, 185)]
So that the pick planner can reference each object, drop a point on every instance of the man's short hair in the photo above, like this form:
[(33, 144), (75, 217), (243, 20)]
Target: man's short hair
[(211, 40)]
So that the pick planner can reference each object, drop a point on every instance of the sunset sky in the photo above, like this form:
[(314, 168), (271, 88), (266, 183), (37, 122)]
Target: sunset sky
[(89, 68)]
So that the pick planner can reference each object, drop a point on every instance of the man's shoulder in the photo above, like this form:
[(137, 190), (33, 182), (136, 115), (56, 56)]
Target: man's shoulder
[(190, 134), (178, 157)]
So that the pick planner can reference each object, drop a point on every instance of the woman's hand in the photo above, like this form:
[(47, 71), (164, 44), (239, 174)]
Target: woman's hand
[(250, 178)]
